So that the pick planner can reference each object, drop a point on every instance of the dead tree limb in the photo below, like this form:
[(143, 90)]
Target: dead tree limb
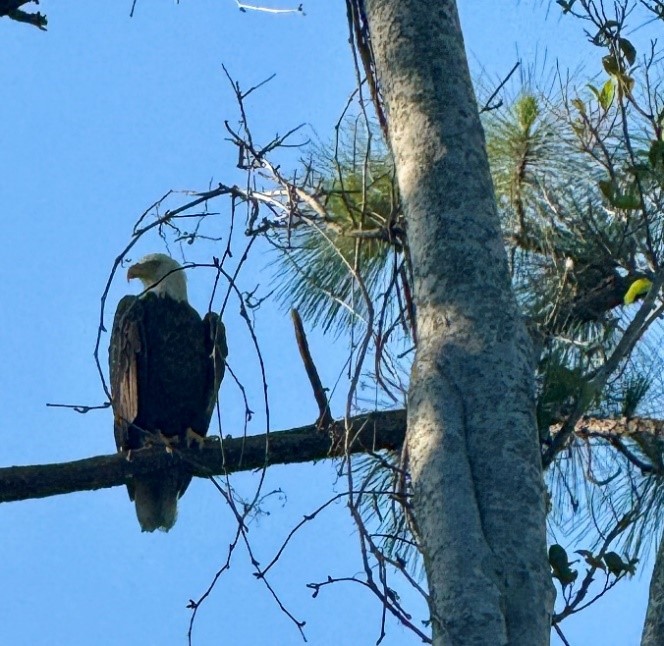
[(325, 417), (11, 8), (374, 432)]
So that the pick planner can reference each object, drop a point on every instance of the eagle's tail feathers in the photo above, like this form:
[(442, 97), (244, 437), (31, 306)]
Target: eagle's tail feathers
[(156, 503)]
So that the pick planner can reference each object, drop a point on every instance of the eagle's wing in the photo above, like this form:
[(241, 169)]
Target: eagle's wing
[(217, 351), (126, 354)]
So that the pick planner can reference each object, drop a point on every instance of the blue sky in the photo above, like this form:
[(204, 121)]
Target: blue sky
[(100, 116)]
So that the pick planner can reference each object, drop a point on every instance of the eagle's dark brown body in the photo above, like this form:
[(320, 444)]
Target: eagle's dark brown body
[(166, 364)]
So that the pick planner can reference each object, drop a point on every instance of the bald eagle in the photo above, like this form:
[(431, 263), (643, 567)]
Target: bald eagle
[(166, 365)]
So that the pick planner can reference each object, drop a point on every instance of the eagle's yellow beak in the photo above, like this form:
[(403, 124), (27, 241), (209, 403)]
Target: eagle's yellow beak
[(139, 270), (131, 273)]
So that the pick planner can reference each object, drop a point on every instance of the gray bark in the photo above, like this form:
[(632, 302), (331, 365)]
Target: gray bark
[(653, 629), (472, 443)]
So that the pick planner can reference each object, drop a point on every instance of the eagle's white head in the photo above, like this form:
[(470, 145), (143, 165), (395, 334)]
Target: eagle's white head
[(162, 275)]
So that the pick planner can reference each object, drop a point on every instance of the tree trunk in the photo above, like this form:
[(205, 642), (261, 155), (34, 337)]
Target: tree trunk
[(479, 503), (653, 629)]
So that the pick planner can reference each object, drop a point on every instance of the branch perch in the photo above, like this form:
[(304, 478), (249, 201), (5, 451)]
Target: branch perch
[(384, 430), (374, 432)]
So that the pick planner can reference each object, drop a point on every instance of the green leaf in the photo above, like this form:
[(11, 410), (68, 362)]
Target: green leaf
[(611, 65), (605, 97), (628, 50), (638, 289)]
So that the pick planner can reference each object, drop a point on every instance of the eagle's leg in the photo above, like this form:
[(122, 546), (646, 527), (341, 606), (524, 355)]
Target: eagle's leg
[(193, 439)]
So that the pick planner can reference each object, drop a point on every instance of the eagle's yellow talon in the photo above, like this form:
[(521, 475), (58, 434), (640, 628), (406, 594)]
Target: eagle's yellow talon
[(193, 439)]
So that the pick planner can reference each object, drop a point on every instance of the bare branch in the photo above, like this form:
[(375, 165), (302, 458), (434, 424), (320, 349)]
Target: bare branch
[(376, 431), (488, 106), (325, 418)]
